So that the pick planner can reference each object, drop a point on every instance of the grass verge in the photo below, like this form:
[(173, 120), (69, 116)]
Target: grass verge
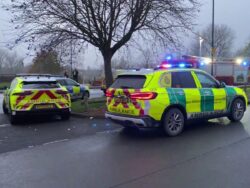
[(3, 85), (93, 106)]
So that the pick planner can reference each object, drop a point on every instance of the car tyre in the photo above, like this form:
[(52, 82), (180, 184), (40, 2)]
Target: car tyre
[(5, 110), (65, 116), (86, 94), (237, 110), (13, 120), (173, 122)]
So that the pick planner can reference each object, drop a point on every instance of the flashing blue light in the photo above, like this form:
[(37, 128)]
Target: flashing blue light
[(169, 57), (244, 63), (202, 64), (182, 65)]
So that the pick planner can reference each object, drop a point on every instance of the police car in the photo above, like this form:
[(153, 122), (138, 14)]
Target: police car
[(35, 94), (169, 98), (76, 90)]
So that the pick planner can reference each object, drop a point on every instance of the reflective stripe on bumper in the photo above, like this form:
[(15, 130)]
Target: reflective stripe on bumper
[(124, 119), (144, 121)]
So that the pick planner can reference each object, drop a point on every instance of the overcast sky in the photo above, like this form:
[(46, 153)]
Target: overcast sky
[(234, 13)]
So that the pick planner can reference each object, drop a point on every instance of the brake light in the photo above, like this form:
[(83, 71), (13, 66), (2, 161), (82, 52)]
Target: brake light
[(61, 92), (109, 94), (25, 93), (143, 95)]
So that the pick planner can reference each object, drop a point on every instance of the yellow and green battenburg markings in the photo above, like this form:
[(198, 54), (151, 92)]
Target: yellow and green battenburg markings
[(203, 99)]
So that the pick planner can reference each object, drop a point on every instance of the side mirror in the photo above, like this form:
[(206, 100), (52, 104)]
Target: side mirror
[(222, 84)]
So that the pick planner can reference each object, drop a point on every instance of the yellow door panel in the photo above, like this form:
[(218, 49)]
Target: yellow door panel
[(220, 101), (193, 100)]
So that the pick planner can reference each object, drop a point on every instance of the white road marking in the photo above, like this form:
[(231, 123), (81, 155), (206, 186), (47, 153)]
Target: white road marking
[(53, 142), (4, 125)]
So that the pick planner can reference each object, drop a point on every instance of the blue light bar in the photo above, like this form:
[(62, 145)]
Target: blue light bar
[(244, 63), (182, 65)]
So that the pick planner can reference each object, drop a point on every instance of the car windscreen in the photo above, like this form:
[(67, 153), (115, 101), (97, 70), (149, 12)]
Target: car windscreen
[(129, 81), (40, 85)]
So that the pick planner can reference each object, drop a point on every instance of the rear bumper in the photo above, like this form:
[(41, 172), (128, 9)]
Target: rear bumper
[(41, 112), (127, 121)]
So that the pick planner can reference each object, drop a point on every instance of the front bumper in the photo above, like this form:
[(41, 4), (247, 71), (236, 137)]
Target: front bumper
[(129, 121)]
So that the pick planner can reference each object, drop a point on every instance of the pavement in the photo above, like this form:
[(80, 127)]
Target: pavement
[(95, 153)]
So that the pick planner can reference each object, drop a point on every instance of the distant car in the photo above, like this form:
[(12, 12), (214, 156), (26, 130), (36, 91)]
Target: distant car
[(35, 94), (77, 91), (170, 98)]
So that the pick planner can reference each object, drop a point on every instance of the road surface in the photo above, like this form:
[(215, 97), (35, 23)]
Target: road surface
[(94, 153)]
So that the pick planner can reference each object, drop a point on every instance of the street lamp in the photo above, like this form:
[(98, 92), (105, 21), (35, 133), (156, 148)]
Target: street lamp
[(201, 40), (213, 49)]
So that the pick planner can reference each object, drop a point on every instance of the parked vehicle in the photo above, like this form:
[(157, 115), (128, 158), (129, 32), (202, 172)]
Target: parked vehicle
[(36, 94), (169, 98)]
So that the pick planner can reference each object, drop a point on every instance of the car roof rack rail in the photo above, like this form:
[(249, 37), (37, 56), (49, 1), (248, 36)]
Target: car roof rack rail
[(33, 75)]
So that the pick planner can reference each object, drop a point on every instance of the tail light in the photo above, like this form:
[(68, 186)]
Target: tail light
[(61, 92), (109, 94), (143, 95), (25, 93)]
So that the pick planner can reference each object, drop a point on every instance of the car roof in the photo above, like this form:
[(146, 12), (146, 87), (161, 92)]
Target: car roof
[(151, 72), (36, 79), (59, 77)]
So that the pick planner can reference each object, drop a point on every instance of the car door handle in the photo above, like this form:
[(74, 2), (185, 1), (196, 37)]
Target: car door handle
[(207, 93), (180, 93)]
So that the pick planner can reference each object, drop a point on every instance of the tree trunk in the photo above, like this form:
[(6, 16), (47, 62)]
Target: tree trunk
[(108, 68)]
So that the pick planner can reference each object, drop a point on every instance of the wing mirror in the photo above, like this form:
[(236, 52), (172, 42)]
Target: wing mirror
[(222, 84)]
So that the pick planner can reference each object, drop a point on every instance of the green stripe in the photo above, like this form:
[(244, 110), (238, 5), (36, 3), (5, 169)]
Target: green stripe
[(177, 96), (230, 91), (207, 101)]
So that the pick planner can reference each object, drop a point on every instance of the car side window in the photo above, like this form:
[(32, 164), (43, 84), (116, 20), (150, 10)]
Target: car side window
[(183, 80), (206, 81), (71, 82)]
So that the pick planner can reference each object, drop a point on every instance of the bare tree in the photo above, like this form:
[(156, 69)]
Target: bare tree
[(245, 51), (223, 37), (10, 62), (106, 24)]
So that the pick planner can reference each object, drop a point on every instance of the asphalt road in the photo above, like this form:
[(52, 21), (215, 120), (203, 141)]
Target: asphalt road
[(90, 153)]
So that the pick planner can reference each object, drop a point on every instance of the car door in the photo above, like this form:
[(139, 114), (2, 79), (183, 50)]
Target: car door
[(213, 97), (184, 91), (74, 88)]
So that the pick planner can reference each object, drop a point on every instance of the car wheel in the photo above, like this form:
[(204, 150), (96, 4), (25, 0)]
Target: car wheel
[(5, 110), (173, 122), (13, 120), (65, 116), (237, 110), (86, 94)]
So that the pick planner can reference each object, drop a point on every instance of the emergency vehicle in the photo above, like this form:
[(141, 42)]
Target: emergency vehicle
[(77, 91), (36, 94), (169, 98)]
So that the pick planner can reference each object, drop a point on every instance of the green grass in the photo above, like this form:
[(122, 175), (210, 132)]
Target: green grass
[(80, 107), (4, 84)]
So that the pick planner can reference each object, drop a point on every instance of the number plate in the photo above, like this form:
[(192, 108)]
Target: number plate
[(121, 99), (44, 106)]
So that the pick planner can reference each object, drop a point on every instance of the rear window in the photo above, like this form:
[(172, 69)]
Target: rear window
[(129, 81), (40, 85)]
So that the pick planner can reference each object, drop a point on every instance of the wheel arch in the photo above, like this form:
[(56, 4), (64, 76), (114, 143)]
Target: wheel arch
[(178, 106), (238, 97)]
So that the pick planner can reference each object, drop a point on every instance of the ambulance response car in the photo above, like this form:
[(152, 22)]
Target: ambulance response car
[(36, 94), (169, 98)]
